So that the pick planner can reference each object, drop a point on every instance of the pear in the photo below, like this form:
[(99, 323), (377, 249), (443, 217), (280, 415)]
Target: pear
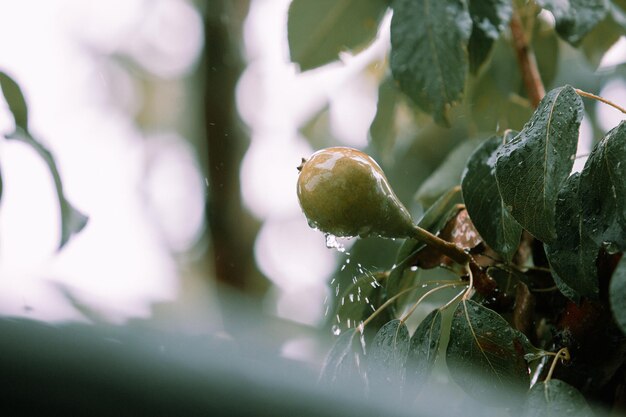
[(343, 192)]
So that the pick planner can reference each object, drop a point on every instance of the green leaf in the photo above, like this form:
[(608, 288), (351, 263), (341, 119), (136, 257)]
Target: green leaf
[(617, 294), (428, 52), (72, 220), (601, 39), (341, 363), (484, 204), (489, 18), (319, 30), (15, 99), (603, 189), (485, 355), (575, 18), (433, 220), (423, 352), (555, 398), (573, 254), (359, 300), (383, 129), (387, 357), (531, 168), (447, 175)]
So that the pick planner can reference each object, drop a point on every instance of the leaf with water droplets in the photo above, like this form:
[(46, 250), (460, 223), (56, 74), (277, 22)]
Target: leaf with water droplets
[(319, 30), (555, 398), (573, 254), (342, 362), (484, 204), (428, 52), (617, 294), (531, 168), (489, 18), (423, 352), (603, 189), (575, 18), (485, 355), (387, 358)]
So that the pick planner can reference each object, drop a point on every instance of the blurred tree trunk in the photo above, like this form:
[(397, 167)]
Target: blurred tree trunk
[(231, 229)]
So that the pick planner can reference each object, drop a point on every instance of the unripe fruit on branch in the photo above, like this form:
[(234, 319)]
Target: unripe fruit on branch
[(343, 192)]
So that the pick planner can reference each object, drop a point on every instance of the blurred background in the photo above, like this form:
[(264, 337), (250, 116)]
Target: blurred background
[(177, 127)]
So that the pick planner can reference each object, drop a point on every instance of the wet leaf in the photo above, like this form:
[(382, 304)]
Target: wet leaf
[(428, 52), (617, 294), (319, 30), (489, 18), (447, 175), (603, 189), (15, 99), (358, 301), (72, 220), (532, 167), (423, 352), (484, 204), (555, 398), (573, 254), (341, 364), (485, 355), (575, 18), (387, 358)]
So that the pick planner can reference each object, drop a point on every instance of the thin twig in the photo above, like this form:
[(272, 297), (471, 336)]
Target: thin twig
[(408, 314), (602, 99), (562, 354)]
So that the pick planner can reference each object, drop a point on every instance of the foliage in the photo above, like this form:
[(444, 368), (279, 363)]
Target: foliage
[(544, 275), (72, 220)]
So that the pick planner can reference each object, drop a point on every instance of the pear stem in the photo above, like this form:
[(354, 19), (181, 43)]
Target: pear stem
[(451, 250)]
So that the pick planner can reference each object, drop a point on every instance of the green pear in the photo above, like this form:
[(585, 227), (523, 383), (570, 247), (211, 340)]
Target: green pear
[(343, 192)]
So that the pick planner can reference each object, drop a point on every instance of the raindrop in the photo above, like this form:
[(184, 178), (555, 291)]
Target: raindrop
[(351, 298), (331, 243), (336, 330), (362, 339)]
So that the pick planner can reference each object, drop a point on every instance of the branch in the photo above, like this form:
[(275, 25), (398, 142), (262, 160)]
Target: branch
[(527, 62)]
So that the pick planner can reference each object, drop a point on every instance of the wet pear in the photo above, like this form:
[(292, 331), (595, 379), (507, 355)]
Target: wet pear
[(343, 192)]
